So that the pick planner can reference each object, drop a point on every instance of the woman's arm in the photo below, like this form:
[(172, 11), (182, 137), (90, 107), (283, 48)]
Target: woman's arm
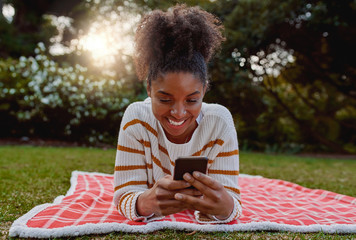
[(221, 194), (130, 176), (135, 196)]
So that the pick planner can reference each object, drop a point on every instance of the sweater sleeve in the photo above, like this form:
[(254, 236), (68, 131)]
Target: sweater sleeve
[(130, 176), (225, 169)]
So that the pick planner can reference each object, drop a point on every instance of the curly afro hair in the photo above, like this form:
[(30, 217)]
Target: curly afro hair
[(180, 39)]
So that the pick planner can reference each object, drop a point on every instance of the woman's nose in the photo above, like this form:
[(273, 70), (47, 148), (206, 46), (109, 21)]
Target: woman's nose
[(178, 112)]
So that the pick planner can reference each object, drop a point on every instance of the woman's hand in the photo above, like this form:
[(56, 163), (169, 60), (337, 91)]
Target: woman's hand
[(215, 200), (160, 198)]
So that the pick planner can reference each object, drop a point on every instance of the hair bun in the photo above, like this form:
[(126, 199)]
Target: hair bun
[(179, 32)]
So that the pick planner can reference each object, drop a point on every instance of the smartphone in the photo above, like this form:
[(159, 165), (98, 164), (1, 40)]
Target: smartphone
[(189, 165)]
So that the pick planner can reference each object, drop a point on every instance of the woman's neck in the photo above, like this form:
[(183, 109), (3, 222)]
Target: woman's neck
[(184, 138)]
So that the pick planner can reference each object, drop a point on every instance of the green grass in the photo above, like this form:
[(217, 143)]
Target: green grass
[(35, 175)]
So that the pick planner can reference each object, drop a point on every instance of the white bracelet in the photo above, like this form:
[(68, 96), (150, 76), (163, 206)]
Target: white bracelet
[(215, 218)]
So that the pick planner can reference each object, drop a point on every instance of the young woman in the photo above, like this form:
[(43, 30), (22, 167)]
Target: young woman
[(172, 51)]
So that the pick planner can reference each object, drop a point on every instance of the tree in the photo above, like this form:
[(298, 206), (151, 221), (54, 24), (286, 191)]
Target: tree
[(299, 51), (286, 70)]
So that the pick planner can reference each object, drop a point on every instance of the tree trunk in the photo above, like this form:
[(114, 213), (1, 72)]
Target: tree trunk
[(304, 126)]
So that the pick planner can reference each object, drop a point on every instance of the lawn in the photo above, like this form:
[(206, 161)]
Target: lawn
[(35, 175)]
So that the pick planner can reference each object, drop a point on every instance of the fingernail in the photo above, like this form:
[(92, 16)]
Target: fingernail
[(187, 176), (179, 196), (197, 174)]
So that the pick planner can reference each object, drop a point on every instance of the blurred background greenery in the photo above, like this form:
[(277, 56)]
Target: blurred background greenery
[(286, 71)]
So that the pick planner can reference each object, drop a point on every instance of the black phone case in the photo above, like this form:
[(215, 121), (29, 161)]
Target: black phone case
[(189, 165)]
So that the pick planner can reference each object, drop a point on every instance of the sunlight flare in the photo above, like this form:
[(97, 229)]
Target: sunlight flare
[(108, 38)]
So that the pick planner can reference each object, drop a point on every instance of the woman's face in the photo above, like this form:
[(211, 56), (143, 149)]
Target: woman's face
[(176, 103)]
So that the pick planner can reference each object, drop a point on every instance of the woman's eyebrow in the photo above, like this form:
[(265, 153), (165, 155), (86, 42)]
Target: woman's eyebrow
[(164, 93), (168, 94), (196, 92)]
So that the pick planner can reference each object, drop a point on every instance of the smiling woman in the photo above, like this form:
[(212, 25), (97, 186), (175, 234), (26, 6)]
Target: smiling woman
[(171, 53)]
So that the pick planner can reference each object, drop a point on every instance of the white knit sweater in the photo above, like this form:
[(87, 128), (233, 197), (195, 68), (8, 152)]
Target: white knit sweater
[(145, 155)]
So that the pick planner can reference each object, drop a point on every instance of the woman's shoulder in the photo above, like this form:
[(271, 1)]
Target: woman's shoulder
[(139, 110), (217, 121), (216, 110)]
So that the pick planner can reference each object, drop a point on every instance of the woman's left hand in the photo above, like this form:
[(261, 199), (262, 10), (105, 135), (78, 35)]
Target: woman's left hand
[(215, 200)]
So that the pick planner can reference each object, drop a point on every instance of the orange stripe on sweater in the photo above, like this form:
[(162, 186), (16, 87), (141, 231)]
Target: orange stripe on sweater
[(228, 154), (122, 199), (130, 183), (148, 144), (131, 205), (159, 164), (132, 167), (155, 160), (162, 149), (126, 199), (233, 189), (225, 172), (210, 144), (146, 125), (145, 143), (130, 150)]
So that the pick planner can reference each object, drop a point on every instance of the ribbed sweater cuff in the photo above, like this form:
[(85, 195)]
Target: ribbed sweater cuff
[(207, 218), (136, 217)]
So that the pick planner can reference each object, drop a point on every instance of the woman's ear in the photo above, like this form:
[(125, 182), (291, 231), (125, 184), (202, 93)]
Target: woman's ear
[(148, 89), (205, 89)]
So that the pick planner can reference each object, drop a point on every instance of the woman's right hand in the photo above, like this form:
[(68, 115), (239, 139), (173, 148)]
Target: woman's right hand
[(160, 198)]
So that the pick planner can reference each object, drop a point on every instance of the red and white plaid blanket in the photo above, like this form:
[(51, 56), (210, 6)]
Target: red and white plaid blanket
[(268, 204)]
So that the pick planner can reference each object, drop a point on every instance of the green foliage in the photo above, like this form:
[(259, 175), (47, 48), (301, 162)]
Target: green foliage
[(285, 72), (40, 98)]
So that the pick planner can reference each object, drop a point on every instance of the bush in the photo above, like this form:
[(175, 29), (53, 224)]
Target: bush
[(39, 98)]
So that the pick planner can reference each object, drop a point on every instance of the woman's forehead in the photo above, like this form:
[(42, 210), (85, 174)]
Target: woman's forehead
[(183, 82)]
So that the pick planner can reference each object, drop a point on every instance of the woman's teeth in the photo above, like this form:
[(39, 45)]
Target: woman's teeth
[(175, 123)]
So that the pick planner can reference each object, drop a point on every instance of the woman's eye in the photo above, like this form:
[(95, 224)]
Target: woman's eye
[(164, 100), (192, 100)]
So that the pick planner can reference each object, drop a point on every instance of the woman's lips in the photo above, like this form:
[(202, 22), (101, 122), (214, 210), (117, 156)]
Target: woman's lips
[(176, 124)]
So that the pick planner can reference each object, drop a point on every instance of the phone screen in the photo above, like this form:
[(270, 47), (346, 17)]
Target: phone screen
[(189, 165)]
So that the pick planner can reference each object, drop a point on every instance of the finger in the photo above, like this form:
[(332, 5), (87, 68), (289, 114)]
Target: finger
[(204, 189), (205, 184), (168, 183), (195, 203), (190, 191), (171, 206), (162, 193), (207, 180)]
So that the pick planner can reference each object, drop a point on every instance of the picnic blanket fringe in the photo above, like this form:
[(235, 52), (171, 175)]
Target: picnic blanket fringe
[(20, 229)]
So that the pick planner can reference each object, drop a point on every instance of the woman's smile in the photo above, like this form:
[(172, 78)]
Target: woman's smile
[(175, 123), (176, 103)]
